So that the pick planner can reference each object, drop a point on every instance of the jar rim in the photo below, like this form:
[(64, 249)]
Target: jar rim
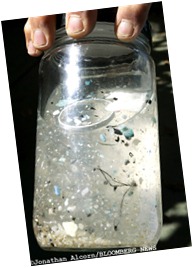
[(102, 30)]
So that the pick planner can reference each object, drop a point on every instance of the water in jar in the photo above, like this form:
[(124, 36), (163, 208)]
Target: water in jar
[(97, 171)]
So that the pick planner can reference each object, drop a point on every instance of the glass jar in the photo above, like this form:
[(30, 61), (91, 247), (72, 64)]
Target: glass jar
[(97, 178)]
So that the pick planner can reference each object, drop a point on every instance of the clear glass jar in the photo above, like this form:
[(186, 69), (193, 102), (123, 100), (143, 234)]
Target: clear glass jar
[(97, 178)]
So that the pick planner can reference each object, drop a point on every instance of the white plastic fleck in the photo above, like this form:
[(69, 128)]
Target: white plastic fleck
[(59, 208), (85, 117), (71, 208), (56, 112), (85, 191), (62, 159), (69, 120), (77, 121), (50, 211), (70, 228), (66, 202), (80, 226)]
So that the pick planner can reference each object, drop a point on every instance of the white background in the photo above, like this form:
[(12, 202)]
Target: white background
[(179, 24)]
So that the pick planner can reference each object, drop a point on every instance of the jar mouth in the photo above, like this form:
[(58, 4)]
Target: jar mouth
[(104, 32)]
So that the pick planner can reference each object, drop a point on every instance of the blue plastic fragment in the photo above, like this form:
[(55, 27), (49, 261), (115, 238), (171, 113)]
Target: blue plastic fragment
[(127, 132), (57, 190), (62, 103), (103, 137), (87, 82)]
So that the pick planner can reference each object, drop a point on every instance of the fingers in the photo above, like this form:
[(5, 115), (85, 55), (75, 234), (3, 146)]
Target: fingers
[(80, 24), (39, 33), (130, 20)]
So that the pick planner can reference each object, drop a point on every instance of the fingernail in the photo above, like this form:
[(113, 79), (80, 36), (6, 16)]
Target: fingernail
[(75, 24), (39, 38), (31, 49), (125, 29)]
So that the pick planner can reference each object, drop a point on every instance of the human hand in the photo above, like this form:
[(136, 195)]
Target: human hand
[(40, 31)]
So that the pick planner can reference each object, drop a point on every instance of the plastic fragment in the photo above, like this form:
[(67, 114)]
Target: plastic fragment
[(57, 190), (103, 137)]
